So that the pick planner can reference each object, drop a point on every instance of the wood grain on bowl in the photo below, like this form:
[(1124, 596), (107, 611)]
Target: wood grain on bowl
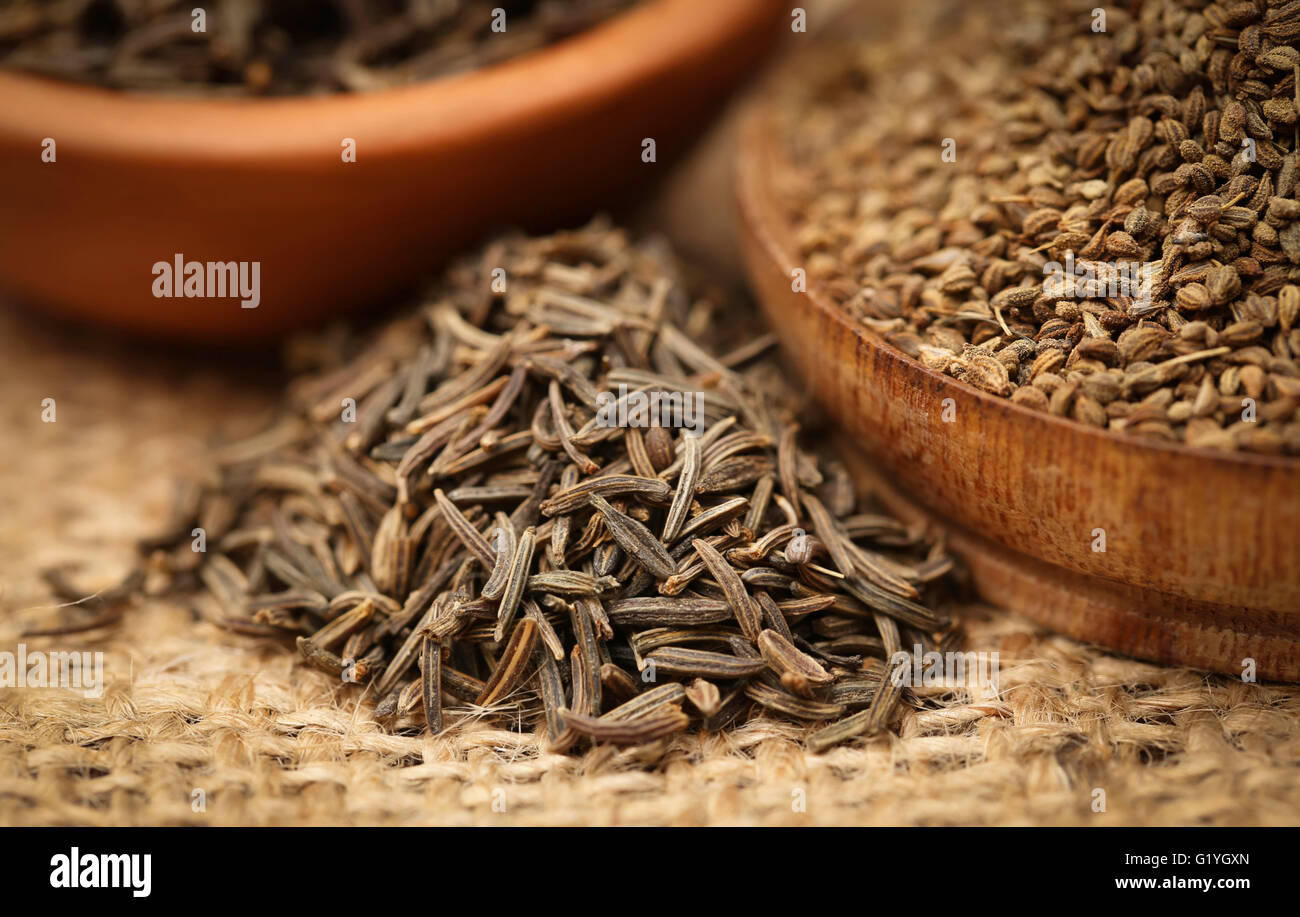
[(1202, 549), (543, 139)]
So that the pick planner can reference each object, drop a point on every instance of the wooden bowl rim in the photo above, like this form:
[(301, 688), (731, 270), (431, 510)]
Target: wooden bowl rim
[(594, 67), (759, 156)]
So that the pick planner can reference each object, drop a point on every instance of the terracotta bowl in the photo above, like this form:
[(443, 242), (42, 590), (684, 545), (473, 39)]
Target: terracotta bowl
[(1202, 548), (544, 139)]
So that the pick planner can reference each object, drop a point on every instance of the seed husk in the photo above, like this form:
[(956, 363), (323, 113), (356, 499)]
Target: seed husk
[(680, 660), (510, 669), (629, 732), (506, 545), (788, 661), (516, 579), (685, 491), (659, 611), (432, 675), (738, 598), (637, 540), (578, 495)]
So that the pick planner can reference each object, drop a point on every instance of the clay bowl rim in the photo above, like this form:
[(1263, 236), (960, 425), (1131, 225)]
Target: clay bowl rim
[(760, 156), (622, 51)]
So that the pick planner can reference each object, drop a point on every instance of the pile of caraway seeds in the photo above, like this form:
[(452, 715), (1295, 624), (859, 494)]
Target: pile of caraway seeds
[(538, 498)]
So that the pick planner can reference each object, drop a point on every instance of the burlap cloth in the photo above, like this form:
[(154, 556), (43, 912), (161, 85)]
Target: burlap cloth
[(190, 708)]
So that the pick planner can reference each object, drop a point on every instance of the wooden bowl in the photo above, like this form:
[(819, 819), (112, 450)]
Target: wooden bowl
[(1202, 549), (543, 139)]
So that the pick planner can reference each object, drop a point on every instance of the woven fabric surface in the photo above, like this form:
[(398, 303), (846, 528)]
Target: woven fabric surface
[(197, 726)]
